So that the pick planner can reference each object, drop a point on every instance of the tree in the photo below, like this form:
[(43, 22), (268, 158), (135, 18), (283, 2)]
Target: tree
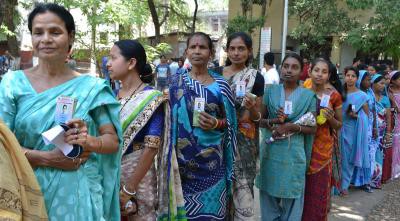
[(381, 33), (8, 15), (318, 19)]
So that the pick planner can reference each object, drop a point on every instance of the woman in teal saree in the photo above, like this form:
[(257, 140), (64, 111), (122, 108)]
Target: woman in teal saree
[(284, 161), (82, 188)]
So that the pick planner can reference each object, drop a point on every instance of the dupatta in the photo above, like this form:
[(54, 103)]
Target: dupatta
[(19, 189)]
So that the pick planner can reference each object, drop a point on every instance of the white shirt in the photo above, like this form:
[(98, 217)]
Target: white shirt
[(271, 76)]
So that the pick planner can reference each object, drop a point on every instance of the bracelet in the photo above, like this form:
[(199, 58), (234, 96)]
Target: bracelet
[(299, 128), (216, 124), (127, 192), (221, 124), (25, 152), (259, 117), (101, 143)]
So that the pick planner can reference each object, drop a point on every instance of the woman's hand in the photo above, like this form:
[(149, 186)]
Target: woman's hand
[(281, 115), (78, 134), (249, 102), (56, 159), (126, 208), (207, 122), (352, 114), (283, 130), (329, 114)]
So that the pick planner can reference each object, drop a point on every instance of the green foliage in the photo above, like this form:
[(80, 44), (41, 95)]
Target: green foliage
[(4, 32), (381, 33), (154, 52), (317, 20), (242, 23)]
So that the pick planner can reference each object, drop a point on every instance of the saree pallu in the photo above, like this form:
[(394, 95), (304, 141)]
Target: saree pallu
[(20, 195), (247, 154), (356, 163), (90, 192), (205, 157), (284, 162), (396, 139), (159, 192)]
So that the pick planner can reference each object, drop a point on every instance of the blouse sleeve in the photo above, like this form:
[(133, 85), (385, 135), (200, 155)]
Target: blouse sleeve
[(155, 125), (336, 100), (258, 88), (8, 108), (101, 116)]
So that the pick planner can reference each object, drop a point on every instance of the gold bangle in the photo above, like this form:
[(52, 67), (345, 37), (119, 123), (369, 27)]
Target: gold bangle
[(25, 152), (259, 117), (216, 124), (101, 143)]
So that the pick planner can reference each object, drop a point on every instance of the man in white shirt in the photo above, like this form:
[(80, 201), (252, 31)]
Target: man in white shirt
[(271, 75)]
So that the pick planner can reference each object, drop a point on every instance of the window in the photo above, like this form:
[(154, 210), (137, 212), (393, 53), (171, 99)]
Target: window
[(215, 24)]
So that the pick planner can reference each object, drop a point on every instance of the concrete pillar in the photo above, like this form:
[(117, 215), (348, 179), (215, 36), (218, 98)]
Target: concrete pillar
[(336, 50)]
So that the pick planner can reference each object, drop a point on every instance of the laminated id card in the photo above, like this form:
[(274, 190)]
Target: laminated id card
[(353, 108), (199, 104), (65, 108), (241, 89), (325, 100), (288, 109)]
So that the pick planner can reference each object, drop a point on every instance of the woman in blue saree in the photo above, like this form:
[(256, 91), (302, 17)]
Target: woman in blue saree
[(356, 165), (205, 151), (79, 188), (383, 125)]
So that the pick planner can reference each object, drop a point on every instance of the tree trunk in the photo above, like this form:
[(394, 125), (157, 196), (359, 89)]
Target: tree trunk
[(124, 31), (195, 16), (156, 21), (7, 18)]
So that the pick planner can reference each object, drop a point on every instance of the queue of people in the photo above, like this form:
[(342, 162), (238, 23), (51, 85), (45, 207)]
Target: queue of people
[(197, 152)]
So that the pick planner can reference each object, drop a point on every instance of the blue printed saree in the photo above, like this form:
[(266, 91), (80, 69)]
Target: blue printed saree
[(205, 158)]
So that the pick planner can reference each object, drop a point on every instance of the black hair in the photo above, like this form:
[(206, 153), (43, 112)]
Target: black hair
[(356, 59), (395, 76), (269, 58), (247, 41), (376, 67), (205, 36), (346, 70), (163, 57), (295, 56), (56, 9), (362, 67), (334, 78), (317, 60), (133, 49)]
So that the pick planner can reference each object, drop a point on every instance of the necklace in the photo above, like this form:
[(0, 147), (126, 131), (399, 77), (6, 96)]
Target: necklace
[(130, 97), (201, 82)]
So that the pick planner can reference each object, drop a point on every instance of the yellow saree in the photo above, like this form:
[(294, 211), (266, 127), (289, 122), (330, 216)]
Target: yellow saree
[(20, 195)]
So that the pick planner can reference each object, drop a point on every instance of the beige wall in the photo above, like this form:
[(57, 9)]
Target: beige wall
[(274, 20)]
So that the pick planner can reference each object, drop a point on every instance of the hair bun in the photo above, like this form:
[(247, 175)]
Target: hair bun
[(146, 74)]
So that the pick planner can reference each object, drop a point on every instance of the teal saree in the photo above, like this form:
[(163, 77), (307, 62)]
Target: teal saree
[(91, 192)]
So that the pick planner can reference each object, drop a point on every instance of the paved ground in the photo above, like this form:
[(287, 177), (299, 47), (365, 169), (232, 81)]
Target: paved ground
[(381, 205)]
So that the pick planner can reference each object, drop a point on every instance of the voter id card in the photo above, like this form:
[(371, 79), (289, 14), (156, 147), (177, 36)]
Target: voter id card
[(325, 100), (65, 109), (241, 89), (199, 106), (288, 108)]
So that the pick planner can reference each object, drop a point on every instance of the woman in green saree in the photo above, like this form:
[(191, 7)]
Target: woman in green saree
[(81, 188), (284, 162)]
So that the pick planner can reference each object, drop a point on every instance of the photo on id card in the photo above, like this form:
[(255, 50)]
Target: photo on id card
[(199, 106), (65, 108)]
